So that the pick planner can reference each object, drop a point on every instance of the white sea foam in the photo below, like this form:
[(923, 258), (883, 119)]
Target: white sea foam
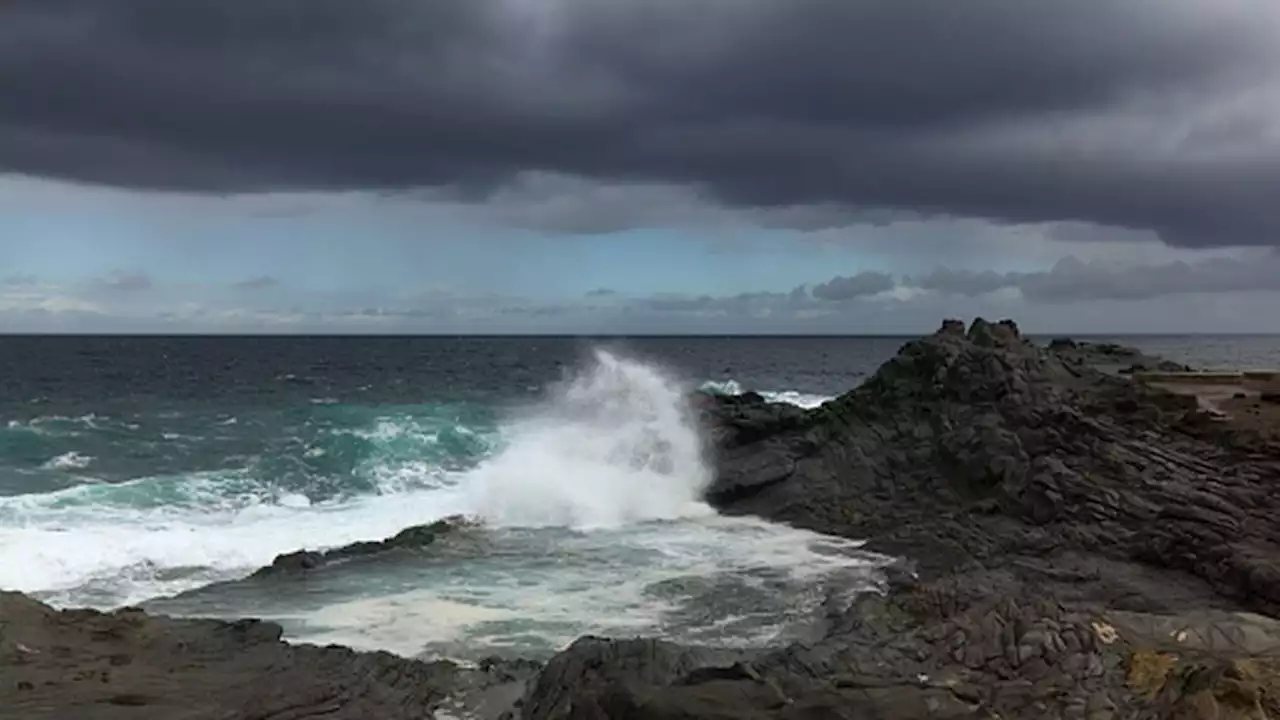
[(205, 530), (789, 397), (69, 461), (56, 424), (731, 581), (601, 483)]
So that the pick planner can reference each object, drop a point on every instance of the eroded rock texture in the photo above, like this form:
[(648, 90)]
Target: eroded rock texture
[(1085, 547)]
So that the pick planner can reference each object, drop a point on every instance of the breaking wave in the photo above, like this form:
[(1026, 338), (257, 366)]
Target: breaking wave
[(591, 500)]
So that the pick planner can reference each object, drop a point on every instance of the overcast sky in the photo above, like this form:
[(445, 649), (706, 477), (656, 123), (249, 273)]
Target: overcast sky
[(584, 166)]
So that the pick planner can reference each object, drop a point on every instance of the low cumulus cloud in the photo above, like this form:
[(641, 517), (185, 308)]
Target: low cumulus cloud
[(1156, 115), (1169, 296), (1072, 280), (863, 284), (1066, 284)]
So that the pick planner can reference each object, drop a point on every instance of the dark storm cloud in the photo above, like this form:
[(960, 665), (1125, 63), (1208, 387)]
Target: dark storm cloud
[(1113, 113), (847, 288)]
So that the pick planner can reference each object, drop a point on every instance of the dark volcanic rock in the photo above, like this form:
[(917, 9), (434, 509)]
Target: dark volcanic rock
[(953, 650), (1112, 357), (412, 538), (1086, 549), (600, 663), (85, 665), (966, 447), (749, 422)]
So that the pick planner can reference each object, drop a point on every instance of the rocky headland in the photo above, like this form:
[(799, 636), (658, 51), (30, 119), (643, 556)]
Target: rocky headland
[(1075, 543), (1111, 357)]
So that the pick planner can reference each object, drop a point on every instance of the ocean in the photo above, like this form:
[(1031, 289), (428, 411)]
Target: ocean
[(161, 471)]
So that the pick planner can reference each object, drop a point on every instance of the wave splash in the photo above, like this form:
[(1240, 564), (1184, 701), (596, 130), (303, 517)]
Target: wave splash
[(807, 401), (614, 445), (614, 448)]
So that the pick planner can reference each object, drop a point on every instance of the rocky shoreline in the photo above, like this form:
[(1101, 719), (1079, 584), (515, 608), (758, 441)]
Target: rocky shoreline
[(1110, 357), (1076, 544)]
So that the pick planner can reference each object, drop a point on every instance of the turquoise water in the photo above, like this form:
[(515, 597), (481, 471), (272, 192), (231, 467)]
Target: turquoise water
[(320, 450), (586, 499)]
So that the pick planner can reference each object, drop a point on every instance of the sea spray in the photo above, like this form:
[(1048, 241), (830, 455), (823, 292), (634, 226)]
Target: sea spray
[(612, 445), (786, 397), (590, 501)]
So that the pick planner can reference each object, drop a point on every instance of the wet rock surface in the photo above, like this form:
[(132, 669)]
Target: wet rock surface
[(412, 538), (1076, 544), (1082, 546)]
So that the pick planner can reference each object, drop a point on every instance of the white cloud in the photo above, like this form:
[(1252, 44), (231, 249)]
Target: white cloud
[(46, 299)]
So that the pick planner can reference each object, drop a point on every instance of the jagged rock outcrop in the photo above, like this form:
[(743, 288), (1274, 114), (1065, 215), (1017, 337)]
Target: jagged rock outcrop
[(1085, 547), (974, 446)]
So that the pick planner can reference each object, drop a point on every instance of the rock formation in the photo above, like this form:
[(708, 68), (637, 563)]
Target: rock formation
[(412, 538), (1112, 357), (1082, 549), (1076, 545)]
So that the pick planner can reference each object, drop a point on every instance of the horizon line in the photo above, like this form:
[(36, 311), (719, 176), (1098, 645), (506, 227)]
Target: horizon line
[(570, 335)]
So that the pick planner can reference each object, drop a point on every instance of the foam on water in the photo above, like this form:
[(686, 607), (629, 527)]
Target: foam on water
[(69, 461), (528, 592), (119, 544), (789, 397), (591, 500)]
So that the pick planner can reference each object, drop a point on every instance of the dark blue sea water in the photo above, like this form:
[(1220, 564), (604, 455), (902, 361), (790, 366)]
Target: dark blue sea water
[(139, 469)]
